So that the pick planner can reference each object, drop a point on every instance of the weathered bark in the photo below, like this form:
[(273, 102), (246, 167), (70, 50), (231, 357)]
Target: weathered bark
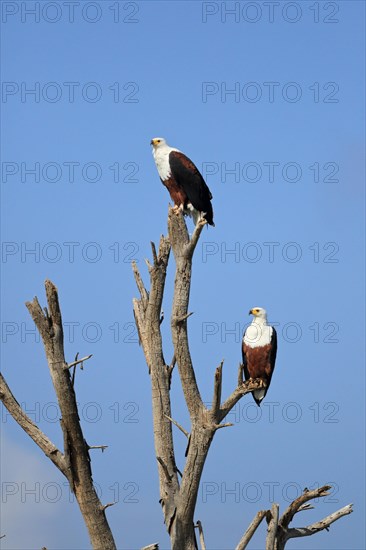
[(74, 463)]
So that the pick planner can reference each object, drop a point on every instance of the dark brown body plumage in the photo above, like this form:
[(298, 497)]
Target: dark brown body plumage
[(259, 362), (176, 192)]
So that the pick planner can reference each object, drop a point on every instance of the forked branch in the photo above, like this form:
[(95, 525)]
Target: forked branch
[(285, 533), (298, 503)]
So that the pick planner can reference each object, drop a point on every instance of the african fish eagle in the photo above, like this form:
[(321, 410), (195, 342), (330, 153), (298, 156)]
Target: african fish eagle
[(259, 349), (187, 188)]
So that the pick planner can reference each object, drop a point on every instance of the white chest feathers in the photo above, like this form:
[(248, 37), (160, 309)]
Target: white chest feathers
[(161, 157), (257, 335)]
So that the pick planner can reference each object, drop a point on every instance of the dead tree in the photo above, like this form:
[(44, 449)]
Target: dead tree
[(74, 461), (178, 491), (178, 495)]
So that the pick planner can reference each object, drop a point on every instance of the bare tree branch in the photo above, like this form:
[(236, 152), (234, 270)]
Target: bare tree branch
[(243, 543), (140, 285), (226, 425), (102, 447), (272, 527), (284, 533), (306, 507), (295, 506), (39, 438), (147, 312), (155, 256), (183, 249), (191, 245), (243, 389), (178, 426), (319, 525), (216, 401), (76, 362), (200, 531), (49, 324)]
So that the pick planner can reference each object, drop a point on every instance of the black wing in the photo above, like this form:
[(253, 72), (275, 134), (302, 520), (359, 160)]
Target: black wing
[(246, 372), (191, 181), (273, 350), (272, 358)]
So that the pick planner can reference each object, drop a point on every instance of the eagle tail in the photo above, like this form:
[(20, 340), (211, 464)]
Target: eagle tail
[(193, 213), (259, 395)]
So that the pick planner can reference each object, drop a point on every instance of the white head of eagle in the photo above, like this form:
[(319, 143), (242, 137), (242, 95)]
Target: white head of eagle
[(259, 349), (187, 188)]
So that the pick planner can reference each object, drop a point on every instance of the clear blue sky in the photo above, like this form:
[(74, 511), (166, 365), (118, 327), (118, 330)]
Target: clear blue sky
[(269, 104)]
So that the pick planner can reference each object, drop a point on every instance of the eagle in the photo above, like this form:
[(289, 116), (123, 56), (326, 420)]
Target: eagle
[(187, 188), (259, 349)]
